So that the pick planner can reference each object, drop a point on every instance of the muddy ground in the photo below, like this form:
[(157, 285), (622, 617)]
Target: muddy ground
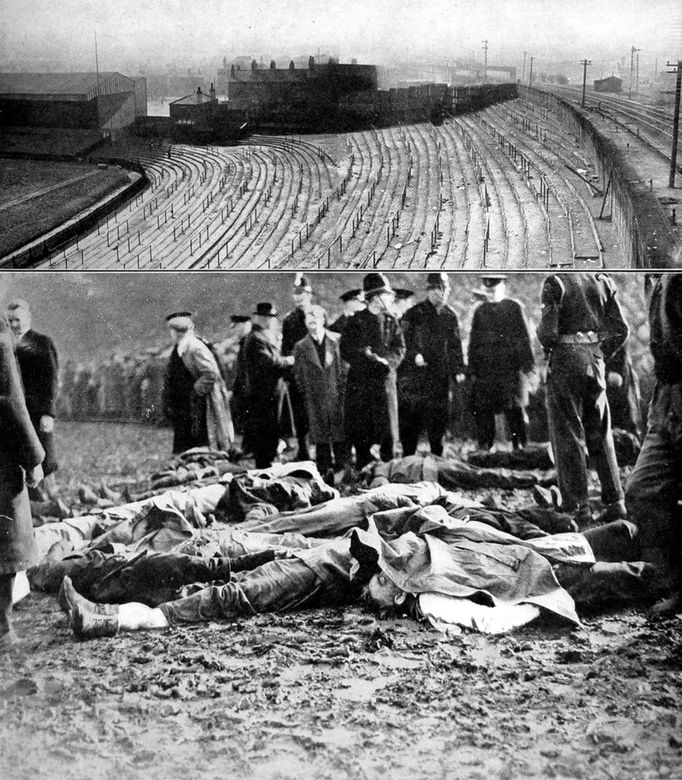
[(332, 693)]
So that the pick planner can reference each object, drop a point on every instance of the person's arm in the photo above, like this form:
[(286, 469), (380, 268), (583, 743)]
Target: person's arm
[(396, 347), (550, 301), (456, 353), (203, 367), (616, 327), (524, 351), (49, 371)]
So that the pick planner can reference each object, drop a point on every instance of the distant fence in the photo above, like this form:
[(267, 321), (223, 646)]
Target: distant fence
[(38, 250), (636, 210)]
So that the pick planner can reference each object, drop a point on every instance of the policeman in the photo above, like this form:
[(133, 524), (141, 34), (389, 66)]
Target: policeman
[(433, 359), (654, 490), (500, 358), (582, 326), (373, 346), (293, 330)]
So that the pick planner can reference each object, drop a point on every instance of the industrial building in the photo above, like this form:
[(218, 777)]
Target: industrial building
[(73, 103)]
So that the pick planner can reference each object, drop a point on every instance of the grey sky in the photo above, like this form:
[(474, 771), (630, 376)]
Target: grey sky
[(191, 30)]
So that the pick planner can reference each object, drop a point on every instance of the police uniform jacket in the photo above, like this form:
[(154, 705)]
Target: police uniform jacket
[(20, 451)]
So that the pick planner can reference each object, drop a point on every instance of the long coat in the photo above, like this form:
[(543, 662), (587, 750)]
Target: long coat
[(433, 333), (500, 354), (39, 367), (323, 387), (197, 402), (371, 392), (20, 450), (264, 394)]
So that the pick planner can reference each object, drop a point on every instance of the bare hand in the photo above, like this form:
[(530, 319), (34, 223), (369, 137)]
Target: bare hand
[(459, 378), (46, 424), (419, 360), (614, 379), (34, 476)]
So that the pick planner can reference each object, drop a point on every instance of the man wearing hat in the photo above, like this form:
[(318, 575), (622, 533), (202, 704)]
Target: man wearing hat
[(433, 359), (195, 396), (38, 366), (353, 301), (582, 326), (293, 330), (500, 358), (263, 391), (373, 346)]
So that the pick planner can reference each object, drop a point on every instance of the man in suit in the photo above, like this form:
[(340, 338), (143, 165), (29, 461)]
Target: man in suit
[(39, 367), (293, 330), (320, 375), (265, 368), (582, 326), (433, 359), (373, 346)]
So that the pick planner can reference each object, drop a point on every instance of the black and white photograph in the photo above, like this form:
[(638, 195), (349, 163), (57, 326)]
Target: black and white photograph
[(340, 390)]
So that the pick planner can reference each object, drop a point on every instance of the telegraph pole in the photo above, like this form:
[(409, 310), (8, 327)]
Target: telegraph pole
[(637, 74), (485, 60), (523, 75), (584, 63), (676, 121), (97, 76), (530, 75), (633, 50)]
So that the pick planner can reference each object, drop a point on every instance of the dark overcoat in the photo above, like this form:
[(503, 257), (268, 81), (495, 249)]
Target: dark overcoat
[(500, 354), (323, 387), (39, 367), (371, 394), (20, 450), (264, 392), (433, 333)]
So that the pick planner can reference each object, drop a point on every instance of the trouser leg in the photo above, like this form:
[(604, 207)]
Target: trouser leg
[(6, 586), (410, 428), (386, 447), (517, 421), (484, 418), (280, 585), (437, 421), (599, 440), (323, 456), (654, 488), (564, 411), (300, 421)]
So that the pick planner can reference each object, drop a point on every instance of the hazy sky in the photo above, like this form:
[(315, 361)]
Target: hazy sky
[(194, 30)]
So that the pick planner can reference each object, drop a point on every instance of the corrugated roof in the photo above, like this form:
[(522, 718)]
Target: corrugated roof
[(50, 83)]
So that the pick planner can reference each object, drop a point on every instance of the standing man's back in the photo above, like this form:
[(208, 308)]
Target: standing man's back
[(581, 326)]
